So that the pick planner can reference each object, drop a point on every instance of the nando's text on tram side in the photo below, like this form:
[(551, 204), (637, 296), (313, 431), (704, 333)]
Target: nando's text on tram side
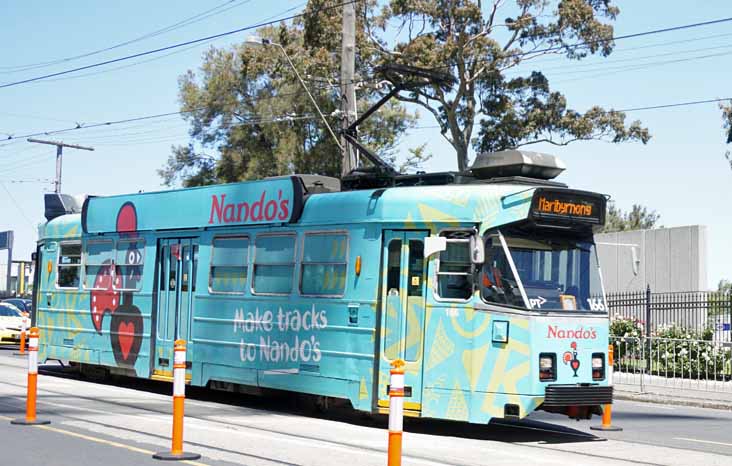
[(263, 209)]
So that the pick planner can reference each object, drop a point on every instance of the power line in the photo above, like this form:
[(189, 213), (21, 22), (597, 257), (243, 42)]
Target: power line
[(141, 62), (627, 110), (12, 139), (185, 22), (169, 47), (607, 64), (17, 205)]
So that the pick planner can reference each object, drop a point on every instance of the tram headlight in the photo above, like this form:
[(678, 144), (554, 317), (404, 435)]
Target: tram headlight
[(598, 366), (547, 367)]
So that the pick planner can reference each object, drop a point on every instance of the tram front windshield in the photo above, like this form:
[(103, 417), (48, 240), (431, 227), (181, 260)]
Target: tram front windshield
[(555, 273)]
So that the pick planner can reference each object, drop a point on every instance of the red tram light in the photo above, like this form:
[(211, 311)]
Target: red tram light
[(547, 367)]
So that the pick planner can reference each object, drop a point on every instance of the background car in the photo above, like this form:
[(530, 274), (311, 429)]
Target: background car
[(21, 303), (11, 321)]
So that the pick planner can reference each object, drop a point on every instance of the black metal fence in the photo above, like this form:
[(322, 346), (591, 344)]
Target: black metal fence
[(703, 312)]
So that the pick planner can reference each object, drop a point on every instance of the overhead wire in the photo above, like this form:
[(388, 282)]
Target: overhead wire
[(185, 22), (141, 62), (17, 205), (628, 110), (170, 47), (13, 138)]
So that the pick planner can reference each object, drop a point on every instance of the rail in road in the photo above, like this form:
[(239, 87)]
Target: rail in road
[(235, 429)]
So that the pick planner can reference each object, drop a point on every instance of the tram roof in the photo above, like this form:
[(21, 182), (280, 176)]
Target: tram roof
[(205, 207)]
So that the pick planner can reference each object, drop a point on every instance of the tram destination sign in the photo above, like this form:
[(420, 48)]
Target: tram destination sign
[(568, 206), (248, 203)]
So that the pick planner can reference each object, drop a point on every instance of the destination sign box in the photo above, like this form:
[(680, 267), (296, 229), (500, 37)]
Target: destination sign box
[(568, 206), (248, 203)]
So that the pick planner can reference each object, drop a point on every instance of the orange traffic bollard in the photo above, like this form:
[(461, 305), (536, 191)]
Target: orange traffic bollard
[(396, 413), (30, 404), (607, 410), (23, 327), (179, 386)]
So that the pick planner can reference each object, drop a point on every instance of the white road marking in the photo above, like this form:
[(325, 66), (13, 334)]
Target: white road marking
[(703, 441)]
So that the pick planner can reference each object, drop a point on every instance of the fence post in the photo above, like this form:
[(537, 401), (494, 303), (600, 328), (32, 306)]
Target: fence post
[(647, 342), (728, 334)]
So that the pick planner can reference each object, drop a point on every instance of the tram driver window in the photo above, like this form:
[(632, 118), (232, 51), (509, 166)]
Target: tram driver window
[(455, 271), (69, 265)]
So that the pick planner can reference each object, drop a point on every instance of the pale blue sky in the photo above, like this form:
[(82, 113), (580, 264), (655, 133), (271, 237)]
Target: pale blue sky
[(681, 173)]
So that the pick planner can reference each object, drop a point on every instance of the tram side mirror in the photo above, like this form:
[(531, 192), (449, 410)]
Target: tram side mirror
[(477, 250), (635, 259), (434, 244)]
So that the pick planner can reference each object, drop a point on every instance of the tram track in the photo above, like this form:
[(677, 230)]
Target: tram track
[(275, 432)]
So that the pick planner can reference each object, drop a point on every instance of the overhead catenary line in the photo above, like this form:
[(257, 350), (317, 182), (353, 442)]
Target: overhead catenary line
[(170, 47), (17, 205), (628, 110), (156, 58), (13, 138), (185, 22)]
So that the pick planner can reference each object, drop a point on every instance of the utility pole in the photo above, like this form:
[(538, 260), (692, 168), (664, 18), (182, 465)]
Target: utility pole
[(348, 88), (59, 153)]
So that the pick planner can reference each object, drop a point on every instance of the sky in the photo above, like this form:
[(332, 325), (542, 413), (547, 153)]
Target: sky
[(681, 173)]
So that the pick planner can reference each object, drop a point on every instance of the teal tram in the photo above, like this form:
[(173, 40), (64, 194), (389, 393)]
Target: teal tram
[(485, 283)]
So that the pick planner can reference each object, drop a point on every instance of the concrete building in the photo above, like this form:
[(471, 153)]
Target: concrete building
[(667, 259)]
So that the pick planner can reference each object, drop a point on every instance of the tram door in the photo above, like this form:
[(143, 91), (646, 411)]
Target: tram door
[(176, 272), (403, 290)]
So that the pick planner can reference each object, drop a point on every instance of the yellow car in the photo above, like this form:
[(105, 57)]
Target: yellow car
[(11, 321)]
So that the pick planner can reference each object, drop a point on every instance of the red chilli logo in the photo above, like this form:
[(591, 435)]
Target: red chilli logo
[(577, 334), (257, 211)]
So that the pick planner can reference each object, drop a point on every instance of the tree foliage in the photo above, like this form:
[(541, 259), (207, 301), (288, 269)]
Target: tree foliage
[(480, 44), (246, 106), (638, 218), (724, 286), (727, 125)]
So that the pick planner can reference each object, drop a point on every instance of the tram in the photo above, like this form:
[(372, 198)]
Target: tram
[(485, 283)]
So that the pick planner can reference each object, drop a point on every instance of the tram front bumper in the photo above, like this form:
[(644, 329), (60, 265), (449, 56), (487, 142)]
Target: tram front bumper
[(577, 395)]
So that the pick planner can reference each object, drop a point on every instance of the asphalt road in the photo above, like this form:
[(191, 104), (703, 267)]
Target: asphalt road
[(122, 422)]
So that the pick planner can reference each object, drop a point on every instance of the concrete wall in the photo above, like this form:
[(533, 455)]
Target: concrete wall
[(671, 259)]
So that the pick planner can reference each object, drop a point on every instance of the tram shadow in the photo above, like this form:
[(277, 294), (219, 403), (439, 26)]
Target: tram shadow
[(500, 430)]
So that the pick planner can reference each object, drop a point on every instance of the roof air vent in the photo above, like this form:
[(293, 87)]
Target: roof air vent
[(517, 163)]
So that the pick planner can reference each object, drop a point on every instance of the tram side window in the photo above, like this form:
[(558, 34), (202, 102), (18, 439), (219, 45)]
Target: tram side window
[(323, 269), (455, 272), (130, 263), (98, 264), (229, 265), (69, 265), (274, 264)]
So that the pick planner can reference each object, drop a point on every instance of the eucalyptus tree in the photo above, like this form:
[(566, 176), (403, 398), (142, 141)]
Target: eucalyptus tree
[(491, 48)]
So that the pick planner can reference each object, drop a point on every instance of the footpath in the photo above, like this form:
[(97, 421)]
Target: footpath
[(654, 389)]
